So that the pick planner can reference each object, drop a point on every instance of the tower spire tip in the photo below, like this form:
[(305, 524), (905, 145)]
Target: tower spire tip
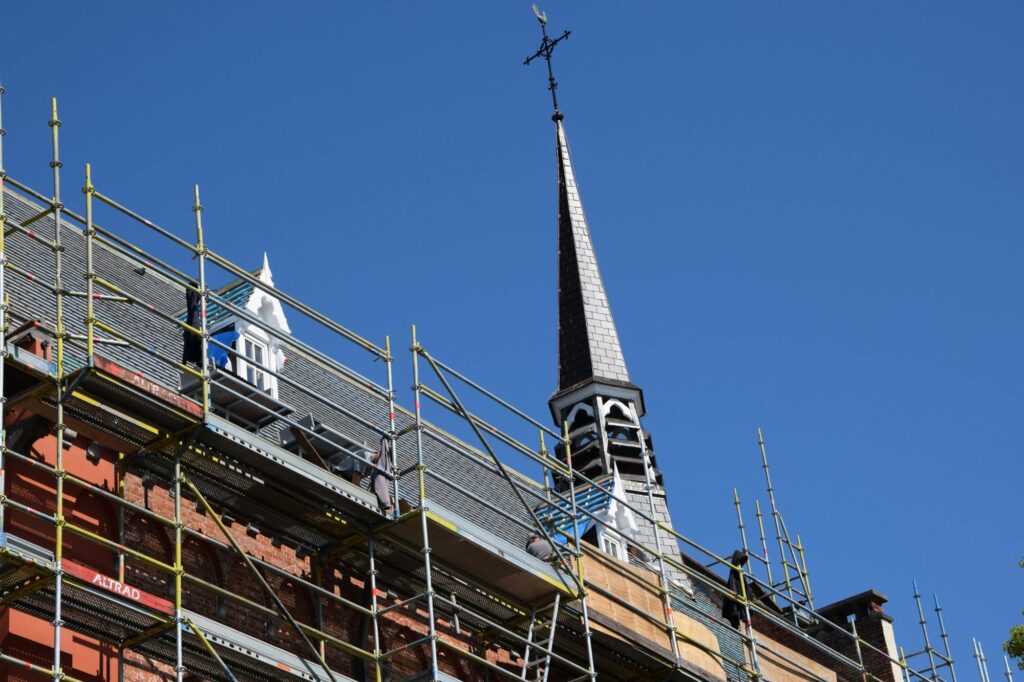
[(546, 49)]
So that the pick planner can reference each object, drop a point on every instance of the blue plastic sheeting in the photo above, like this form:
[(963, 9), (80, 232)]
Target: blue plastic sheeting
[(557, 515), (220, 356)]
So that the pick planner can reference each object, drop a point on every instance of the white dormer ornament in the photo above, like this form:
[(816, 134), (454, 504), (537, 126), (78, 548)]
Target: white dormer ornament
[(259, 351), (618, 524)]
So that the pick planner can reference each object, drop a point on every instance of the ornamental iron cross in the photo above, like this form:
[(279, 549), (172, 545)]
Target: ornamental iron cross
[(547, 48)]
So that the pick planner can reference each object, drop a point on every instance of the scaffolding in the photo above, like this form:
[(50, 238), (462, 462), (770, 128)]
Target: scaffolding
[(448, 559)]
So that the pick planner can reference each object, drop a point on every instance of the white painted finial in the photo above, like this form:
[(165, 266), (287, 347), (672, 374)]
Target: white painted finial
[(265, 275)]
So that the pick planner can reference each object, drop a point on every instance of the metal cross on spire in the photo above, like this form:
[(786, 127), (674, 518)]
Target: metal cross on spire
[(547, 48)]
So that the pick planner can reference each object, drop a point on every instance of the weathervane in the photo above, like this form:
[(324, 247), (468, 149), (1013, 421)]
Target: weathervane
[(547, 47)]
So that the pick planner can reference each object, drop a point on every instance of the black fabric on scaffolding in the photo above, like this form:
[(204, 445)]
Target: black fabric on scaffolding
[(192, 345), (730, 609)]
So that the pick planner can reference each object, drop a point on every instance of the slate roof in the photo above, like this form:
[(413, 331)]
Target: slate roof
[(459, 475), (588, 342), (238, 294), (34, 299)]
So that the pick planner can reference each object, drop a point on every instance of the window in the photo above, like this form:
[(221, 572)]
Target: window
[(256, 352), (612, 546)]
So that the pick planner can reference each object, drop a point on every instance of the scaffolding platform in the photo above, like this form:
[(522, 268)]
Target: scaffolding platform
[(426, 676), (465, 548), (265, 487), (237, 398), (249, 658), (107, 402), (92, 607)]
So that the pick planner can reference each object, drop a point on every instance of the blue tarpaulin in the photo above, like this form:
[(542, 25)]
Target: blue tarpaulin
[(220, 356)]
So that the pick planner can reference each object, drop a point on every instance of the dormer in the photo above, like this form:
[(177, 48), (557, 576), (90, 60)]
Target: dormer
[(618, 525), (245, 324), (606, 520), (259, 353)]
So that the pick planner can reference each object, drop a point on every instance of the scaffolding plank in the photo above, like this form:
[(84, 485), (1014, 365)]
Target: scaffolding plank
[(100, 607), (91, 604), (290, 470), (471, 550), (148, 387), (279, 663)]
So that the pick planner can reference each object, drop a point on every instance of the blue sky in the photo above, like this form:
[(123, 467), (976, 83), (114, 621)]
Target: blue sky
[(808, 215)]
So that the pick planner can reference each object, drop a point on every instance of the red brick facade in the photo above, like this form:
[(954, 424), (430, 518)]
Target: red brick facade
[(30, 638)]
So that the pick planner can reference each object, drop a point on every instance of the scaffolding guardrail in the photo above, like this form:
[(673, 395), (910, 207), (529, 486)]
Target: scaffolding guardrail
[(183, 454)]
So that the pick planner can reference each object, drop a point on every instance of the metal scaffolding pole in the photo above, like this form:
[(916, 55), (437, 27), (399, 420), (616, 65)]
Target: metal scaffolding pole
[(860, 655), (979, 656), (775, 517), (666, 596), (392, 435), (805, 574), (421, 480), (924, 633), (55, 164), (945, 638), (179, 621), (1007, 673), (374, 608), (580, 579), (544, 467), (316, 566), (764, 541), (90, 276), (751, 637), (197, 209)]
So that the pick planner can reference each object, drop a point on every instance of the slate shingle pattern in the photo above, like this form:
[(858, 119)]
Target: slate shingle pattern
[(588, 342), (462, 477)]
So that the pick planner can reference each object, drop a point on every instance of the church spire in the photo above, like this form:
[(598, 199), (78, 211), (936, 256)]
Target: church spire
[(595, 396), (588, 342)]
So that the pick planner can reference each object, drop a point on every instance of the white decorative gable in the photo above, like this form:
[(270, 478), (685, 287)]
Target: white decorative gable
[(259, 353), (621, 526)]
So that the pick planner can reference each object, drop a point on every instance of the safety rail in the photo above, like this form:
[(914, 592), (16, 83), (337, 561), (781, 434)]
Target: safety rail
[(176, 441), (81, 350), (793, 600)]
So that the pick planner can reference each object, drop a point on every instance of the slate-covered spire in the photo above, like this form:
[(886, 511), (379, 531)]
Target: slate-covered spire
[(596, 403), (588, 343)]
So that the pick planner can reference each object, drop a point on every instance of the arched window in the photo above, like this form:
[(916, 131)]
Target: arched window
[(90, 512), (200, 560), (152, 539)]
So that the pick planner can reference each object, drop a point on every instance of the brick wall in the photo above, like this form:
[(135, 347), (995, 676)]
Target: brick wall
[(871, 621), (215, 565)]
